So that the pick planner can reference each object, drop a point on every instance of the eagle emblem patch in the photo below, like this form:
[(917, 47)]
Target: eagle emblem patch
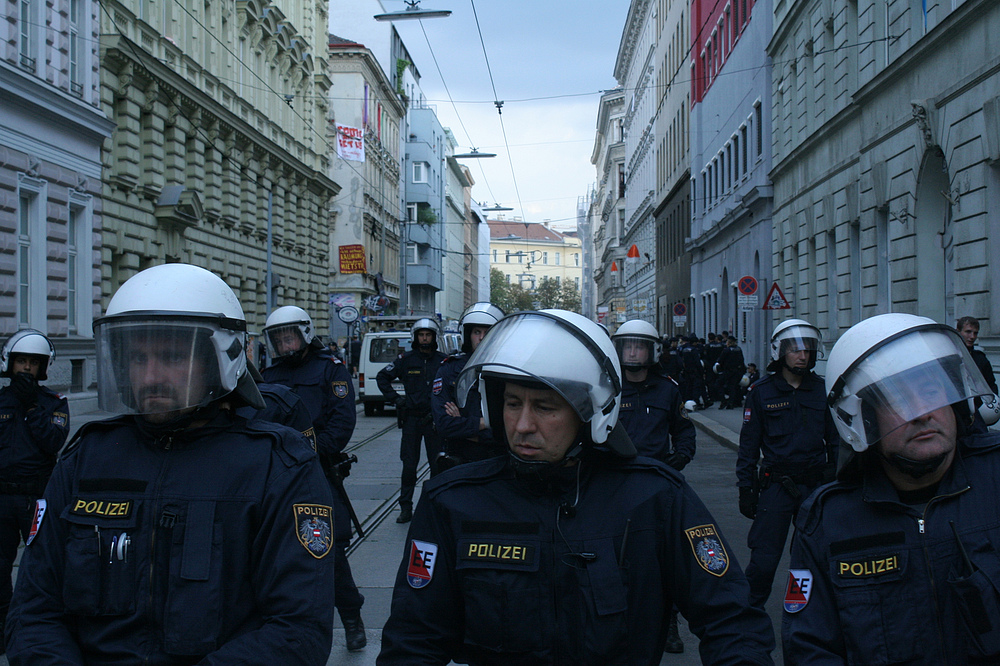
[(340, 389), (314, 528), (708, 549)]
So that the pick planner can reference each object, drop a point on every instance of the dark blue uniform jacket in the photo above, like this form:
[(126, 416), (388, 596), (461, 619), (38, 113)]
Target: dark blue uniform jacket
[(324, 385), (494, 572), (30, 439), (889, 581), (653, 417), (458, 430), (417, 372), (227, 530), (786, 426)]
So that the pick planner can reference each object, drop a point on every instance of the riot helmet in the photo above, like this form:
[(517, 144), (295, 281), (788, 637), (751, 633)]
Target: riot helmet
[(478, 314), (557, 350), (28, 342), (636, 344), (288, 331), (425, 324), (902, 366), (791, 336), (172, 342)]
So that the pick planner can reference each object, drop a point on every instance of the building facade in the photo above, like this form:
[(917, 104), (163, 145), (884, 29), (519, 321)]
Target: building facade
[(51, 136), (887, 160), (456, 259), (635, 72), (527, 252), (221, 151), (730, 160), (366, 213), (607, 210)]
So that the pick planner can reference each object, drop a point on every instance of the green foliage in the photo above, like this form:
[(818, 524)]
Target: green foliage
[(425, 215), (570, 296), (548, 294), (509, 297)]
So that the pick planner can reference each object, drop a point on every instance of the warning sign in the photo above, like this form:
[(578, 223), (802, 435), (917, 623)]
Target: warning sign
[(776, 299)]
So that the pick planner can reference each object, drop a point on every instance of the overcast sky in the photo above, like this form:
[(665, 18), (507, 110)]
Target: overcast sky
[(558, 55)]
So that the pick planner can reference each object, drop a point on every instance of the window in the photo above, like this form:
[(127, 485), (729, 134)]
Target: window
[(506, 256), (526, 280), (545, 257), (758, 118), (420, 172), (743, 145), (576, 258), (27, 210), (494, 256), (621, 180), (26, 44), (31, 268), (411, 212), (412, 254), (558, 258), (75, 47), (79, 243)]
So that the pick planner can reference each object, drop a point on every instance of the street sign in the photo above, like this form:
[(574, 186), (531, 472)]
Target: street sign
[(747, 285), (776, 299), (348, 314), (680, 310), (747, 303), (680, 321)]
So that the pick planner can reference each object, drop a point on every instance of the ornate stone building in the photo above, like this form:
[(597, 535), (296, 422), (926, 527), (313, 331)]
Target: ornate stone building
[(221, 147)]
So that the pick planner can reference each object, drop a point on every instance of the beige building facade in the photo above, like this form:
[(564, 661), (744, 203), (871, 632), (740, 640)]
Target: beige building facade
[(526, 252), (221, 147)]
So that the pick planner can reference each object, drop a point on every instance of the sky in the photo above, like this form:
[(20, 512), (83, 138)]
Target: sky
[(550, 62)]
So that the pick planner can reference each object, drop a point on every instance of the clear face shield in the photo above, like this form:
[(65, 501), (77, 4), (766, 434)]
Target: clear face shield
[(284, 341), (157, 368), (634, 352), (902, 381), (530, 346)]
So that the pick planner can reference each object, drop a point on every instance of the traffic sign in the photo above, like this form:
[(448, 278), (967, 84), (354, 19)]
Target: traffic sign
[(776, 299), (348, 314), (747, 285), (680, 310)]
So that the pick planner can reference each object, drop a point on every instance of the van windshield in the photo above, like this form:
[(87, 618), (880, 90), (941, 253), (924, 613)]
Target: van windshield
[(385, 350)]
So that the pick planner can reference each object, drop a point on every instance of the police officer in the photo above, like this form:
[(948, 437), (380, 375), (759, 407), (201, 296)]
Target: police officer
[(693, 373), (300, 361), (463, 430), (34, 422), (417, 369), (569, 550), (670, 359), (897, 562), (785, 422), (731, 369), (713, 351), (178, 532), (653, 415)]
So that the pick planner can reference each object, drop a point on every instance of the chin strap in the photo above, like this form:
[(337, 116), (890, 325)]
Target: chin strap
[(542, 471), (916, 469)]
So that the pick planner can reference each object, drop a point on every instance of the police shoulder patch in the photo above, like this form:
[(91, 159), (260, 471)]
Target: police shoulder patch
[(746, 415), (797, 590), (708, 550), (36, 521), (438, 385), (339, 389), (60, 419), (314, 528), (420, 563)]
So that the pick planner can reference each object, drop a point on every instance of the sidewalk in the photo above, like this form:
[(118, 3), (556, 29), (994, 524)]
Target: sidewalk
[(722, 425)]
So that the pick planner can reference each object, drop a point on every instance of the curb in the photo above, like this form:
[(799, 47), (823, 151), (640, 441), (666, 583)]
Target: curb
[(717, 431)]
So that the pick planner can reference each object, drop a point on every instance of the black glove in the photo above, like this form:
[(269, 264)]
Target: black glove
[(401, 402), (25, 388), (678, 460), (748, 502)]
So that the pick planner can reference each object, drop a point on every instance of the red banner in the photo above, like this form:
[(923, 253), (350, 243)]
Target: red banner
[(352, 259)]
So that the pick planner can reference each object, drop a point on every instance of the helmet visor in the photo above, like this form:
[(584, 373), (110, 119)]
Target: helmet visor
[(634, 351), (528, 345), (156, 367), (284, 341), (908, 378)]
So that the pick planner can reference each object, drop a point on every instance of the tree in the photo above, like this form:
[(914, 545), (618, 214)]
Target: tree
[(508, 297), (570, 297), (548, 294)]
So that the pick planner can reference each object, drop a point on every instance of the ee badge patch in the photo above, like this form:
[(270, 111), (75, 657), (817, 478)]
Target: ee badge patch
[(800, 584), (420, 563), (708, 549), (314, 528), (36, 520)]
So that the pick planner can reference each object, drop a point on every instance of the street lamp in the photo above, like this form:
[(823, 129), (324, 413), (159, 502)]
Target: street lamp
[(474, 153), (497, 208), (413, 11)]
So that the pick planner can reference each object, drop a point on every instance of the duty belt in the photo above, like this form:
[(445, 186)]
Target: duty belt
[(807, 475), (28, 487)]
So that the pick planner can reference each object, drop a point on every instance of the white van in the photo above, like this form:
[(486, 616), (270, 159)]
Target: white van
[(379, 349)]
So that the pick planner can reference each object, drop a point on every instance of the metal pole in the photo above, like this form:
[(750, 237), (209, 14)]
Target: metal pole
[(270, 276)]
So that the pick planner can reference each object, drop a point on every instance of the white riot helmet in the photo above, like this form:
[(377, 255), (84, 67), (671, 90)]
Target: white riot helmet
[(990, 409), (179, 322), (477, 314), (893, 368), (287, 331), (631, 339), (425, 324), (29, 342), (795, 335), (564, 351)]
